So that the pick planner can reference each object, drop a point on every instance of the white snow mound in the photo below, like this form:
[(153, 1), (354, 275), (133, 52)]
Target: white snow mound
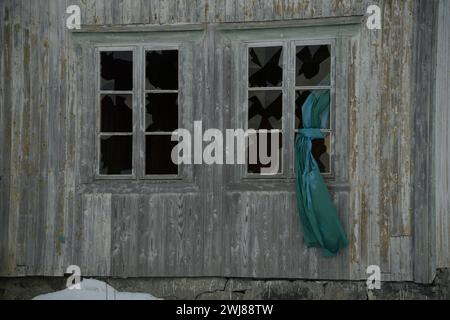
[(91, 289)]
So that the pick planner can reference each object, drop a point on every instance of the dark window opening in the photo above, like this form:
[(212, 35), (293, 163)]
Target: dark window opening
[(116, 155), (116, 113), (161, 110), (158, 149), (161, 70), (116, 70), (265, 101)]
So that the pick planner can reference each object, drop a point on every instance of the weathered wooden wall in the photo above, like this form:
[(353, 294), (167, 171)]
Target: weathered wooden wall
[(47, 223), (442, 136)]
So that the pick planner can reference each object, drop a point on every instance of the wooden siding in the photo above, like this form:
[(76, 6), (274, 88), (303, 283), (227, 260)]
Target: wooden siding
[(442, 136), (50, 218)]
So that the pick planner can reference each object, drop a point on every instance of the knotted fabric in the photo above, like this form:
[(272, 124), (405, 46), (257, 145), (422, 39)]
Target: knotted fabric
[(318, 216)]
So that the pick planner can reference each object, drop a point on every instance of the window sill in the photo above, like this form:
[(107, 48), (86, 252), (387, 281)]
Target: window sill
[(138, 186)]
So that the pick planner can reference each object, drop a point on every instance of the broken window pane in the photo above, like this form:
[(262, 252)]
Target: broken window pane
[(317, 104), (265, 66), (161, 70), (116, 113), (161, 112), (265, 109), (116, 155), (116, 71), (253, 147), (158, 149), (313, 65)]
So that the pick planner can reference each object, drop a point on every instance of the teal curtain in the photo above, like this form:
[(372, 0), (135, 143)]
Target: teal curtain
[(318, 216)]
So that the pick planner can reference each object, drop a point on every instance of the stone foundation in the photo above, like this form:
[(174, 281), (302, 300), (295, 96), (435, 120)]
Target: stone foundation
[(236, 289)]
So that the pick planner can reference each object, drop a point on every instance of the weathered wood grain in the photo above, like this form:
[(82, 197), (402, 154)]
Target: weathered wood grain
[(51, 215), (424, 59), (442, 138)]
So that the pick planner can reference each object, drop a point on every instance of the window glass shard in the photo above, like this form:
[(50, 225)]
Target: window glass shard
[(116, 70), (313, 65), (265, 66)]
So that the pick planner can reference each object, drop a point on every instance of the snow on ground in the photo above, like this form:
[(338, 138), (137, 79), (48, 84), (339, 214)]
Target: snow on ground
[(94, 290)]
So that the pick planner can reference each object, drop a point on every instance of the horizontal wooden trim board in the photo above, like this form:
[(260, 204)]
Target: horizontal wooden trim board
[(329, 21)]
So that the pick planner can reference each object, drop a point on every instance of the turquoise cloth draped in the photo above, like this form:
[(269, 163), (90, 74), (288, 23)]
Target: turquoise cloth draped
[(318, 216)]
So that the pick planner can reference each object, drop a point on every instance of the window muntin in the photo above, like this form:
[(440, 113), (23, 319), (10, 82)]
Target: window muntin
[(308, 70), (161, 110), (115, 133), (138, 98), (264, 100), (313, 79)]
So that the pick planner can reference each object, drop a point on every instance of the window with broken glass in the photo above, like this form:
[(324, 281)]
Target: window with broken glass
[(280, 79), (138, 111)]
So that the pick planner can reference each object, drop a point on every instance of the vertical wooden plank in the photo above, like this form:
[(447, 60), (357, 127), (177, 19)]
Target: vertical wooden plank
[(157, 235), (442, 138), (389, 134), (230, 10), (127, 11), (118, 12), (145, 14), (101, 15), (15, 235), (239, 13), (136, 11), (401, 222), (25, 215), (96, 235), (89, 12), (64, 169), (166, 11), (144, 245), (154, 11), (5, 97), (219, 11), (43, 72), (400, 258), (424, 60), (31, 145), (124, 254), (3, 212), (354, 235)]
